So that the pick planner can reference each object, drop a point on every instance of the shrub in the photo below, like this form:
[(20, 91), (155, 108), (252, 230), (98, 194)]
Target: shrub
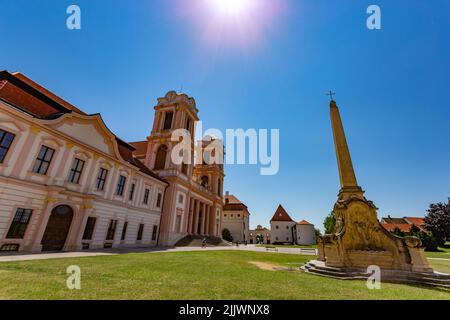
[(226, 235)]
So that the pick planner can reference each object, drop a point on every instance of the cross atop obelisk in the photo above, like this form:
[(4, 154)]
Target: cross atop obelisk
[(331, 94)]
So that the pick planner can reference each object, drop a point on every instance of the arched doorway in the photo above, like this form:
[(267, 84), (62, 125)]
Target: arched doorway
[(259, 239), (57, 228)]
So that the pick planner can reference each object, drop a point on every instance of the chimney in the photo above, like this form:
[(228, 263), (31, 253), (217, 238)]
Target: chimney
[(227, 194)]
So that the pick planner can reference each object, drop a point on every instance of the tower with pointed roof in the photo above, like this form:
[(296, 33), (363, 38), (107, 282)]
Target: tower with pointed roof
[(284, 230)]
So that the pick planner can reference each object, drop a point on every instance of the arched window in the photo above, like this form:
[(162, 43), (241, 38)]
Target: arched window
[(205, 181), (161, 155)]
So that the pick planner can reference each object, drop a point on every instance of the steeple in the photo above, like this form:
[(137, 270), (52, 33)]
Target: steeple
[(345, 165)]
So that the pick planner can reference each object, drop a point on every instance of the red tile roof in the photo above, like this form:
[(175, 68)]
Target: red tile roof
[(46, 92), (304, 222), (401, 226), (141, 148), (28, 96), (418, 222), (232, 199), (232, 203), (281, 215)]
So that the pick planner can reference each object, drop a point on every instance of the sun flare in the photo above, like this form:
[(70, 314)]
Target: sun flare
[(232, 7)]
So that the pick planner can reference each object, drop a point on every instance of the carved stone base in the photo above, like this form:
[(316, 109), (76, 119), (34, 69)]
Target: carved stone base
[(387, 275), (360, 241)]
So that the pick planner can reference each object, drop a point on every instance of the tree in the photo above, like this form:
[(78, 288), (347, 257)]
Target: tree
[(437, 221), (318, 233), (398, 232), (226, 235), (329, 224), (427, 238)]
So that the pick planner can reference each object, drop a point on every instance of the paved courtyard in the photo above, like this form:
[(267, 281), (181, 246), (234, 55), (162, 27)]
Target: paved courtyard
[(108, 252)]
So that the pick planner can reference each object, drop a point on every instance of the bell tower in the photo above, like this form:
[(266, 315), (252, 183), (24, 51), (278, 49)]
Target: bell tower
[(174, 111)]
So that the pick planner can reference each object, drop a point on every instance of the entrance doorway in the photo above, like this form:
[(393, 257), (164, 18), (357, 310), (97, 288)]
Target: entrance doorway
[(57, 228)]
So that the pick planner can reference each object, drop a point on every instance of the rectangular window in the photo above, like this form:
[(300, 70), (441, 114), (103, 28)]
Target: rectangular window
[(43, 160), (76, 171), (178, 224), (188, 124), (180, 199), (158, 200), (89, 229), (184, 168), (6, 140), (146, 195), (101, 179), (168, 121), (155, 232), (133, 186), (140, 232), (19, 224), (124, 231), (121, 186), (111, 230)]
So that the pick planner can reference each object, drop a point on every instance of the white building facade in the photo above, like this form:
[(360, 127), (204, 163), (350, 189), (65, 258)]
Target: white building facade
[(236, 218), (66, 181), (284, 230)]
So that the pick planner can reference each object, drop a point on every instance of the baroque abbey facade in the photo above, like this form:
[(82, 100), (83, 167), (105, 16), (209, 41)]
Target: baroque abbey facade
[(68, 183)]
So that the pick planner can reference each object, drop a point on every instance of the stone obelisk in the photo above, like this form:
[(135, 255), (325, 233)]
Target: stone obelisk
[(349, 185), (359, 240)]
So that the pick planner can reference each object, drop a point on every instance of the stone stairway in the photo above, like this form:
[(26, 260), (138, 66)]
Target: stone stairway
[(394, 276), (196, 241)]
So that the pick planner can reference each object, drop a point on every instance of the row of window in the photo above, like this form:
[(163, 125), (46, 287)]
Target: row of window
[(110, 234), (232, 215), (44, 160), (278, 227), (23, 216)]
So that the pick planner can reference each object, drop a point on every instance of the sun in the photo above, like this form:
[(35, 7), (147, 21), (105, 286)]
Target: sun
[(232, 7)]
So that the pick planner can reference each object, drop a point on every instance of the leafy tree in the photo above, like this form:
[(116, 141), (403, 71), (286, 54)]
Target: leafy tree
[(318, 233), (437, 221), (226, 235), (329, 223), (398, 232), (427, 238)]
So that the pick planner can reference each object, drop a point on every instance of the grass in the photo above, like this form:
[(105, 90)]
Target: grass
[(286, 246), (190, 275), (442, 253)]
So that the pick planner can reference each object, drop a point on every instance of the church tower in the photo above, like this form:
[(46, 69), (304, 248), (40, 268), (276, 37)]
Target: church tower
[(193, 201), (173, 112)]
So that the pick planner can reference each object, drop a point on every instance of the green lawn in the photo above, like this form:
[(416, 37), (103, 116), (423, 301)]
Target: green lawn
[(443, 253), (190, 275), (287, 246)]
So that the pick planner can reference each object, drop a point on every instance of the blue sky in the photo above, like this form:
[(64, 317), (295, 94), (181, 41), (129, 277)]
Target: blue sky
[(392, 87)]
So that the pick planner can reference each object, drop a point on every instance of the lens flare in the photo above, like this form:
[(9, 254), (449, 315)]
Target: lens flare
[(233, 7), (230, 23)]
